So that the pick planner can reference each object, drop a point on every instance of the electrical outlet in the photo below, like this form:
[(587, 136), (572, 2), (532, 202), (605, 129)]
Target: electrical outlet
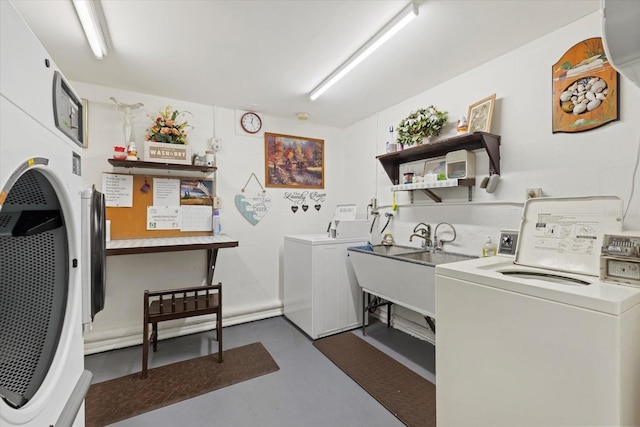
[(533, 193), (373, 203), (216, 202)]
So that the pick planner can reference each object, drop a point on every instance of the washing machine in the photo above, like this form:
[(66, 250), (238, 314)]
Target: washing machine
[(536, 338), (42, 380)]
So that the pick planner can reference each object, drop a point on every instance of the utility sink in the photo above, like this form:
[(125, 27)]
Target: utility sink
[(390, 249), (434, 257), (404, 275)]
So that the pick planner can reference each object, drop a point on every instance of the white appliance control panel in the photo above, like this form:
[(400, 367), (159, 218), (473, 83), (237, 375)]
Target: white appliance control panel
[(508, 242), (620, 259)]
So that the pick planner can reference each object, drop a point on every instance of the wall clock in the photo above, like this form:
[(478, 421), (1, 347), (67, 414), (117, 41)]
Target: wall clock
[(251, 122)]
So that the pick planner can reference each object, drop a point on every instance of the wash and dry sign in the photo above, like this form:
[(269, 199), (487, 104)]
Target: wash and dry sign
[(160, 152)]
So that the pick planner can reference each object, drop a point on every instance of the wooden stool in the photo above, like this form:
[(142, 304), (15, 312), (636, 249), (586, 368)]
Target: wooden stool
[(178, 304)]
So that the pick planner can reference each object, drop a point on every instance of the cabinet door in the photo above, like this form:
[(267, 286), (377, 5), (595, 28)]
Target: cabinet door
[(298, 284), (336, 294)]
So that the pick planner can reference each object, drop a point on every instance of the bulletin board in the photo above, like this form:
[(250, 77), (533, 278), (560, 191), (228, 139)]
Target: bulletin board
[(131, 222)]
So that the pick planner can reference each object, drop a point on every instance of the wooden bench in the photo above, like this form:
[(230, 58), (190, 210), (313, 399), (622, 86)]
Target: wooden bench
[(180, 303)]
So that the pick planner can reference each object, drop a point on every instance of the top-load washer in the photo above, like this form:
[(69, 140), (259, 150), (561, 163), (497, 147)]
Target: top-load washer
[(42, 380), (537, 339)]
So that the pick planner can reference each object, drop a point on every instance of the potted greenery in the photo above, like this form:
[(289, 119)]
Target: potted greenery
[(421, 124)]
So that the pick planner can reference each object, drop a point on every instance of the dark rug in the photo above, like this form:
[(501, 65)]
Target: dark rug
[(121, 398), (407, 395)]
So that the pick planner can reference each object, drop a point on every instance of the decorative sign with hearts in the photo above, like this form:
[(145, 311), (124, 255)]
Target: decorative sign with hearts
[(253, 209), (299, 199)]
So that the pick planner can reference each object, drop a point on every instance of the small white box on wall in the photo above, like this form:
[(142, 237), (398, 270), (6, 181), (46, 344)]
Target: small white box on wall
[(160, 152), (461, 164)]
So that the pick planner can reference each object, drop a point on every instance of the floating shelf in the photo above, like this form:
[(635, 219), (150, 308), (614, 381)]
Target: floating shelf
[(153, 165), (468, 182), (472, 141), (426, 187)]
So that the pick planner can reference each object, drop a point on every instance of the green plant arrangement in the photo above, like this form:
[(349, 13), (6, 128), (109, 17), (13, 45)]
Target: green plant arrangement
[(421, 124), (169, 127)]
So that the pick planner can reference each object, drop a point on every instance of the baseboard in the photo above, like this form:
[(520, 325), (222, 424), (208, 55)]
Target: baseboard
[(407, 326), (127, 337)]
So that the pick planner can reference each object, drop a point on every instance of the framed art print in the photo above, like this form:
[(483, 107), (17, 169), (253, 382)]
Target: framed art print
[(585, 88), (480, 114), (293, 161)]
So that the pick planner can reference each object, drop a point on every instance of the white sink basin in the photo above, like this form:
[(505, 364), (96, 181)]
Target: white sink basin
[(401, 274)]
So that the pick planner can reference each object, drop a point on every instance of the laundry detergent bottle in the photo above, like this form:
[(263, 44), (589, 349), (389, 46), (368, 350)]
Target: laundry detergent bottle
[(489, 248)]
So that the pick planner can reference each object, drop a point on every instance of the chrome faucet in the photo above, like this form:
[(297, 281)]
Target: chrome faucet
[(423, 231), (438, 243)]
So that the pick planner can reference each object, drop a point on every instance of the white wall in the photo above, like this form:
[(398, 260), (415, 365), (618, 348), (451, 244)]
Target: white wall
[(251, 273), (596, 162)]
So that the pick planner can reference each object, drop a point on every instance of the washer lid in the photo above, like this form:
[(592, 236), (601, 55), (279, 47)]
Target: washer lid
[(565, 234)]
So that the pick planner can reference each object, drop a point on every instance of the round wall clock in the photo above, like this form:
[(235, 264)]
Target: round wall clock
[(251, 122)]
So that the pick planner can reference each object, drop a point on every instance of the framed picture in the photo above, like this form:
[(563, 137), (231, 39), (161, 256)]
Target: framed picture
[(85, 122), (435, 166), (480, 114), (293, 161), (585, 88)]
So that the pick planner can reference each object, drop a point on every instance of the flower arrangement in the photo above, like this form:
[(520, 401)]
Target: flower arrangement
[(424, 123), (168, 127)]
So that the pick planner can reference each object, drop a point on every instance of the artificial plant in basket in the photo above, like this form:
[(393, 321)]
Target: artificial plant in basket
[(169, 127), (421, 124)]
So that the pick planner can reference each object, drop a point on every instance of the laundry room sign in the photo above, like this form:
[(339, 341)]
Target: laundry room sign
[(160, 152), (253, 207)]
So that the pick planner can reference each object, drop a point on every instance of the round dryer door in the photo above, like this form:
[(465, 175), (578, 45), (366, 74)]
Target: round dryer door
[(34, 285)]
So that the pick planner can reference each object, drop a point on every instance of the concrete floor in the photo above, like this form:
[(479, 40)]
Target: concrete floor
[(308, 390)]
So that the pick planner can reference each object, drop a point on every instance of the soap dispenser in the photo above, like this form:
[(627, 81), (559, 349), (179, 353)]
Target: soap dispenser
[(489, 248)]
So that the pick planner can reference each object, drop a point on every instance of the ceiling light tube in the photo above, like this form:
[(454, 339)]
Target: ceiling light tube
[(392, 27), (86, 10)]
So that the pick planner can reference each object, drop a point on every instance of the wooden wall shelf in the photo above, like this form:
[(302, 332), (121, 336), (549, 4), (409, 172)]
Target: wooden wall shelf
[(472, 141), (153, 165)]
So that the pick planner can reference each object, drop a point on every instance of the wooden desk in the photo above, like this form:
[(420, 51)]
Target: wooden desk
[(181, 306), (174, 244)]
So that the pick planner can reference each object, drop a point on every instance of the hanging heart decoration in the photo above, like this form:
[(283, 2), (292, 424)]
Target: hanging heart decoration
[(294, 208), (318, 207), (253, 208), (305, 207)]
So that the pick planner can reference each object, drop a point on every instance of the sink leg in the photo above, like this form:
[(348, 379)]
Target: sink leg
[(365, 296), (371, 305), (431, 323)]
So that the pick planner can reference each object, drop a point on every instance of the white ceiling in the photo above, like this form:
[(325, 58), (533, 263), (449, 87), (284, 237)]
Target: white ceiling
[(268, 55)]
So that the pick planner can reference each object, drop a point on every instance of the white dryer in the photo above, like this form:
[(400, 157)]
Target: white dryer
[(42, 380), (539, 340)]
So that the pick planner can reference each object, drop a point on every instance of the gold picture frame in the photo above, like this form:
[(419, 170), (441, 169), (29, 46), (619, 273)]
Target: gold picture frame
[(293, 161), (85, 123), (480, 114)]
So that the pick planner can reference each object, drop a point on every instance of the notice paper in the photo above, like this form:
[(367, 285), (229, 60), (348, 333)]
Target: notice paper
[(163, 218), (166, 192), (117, 190)]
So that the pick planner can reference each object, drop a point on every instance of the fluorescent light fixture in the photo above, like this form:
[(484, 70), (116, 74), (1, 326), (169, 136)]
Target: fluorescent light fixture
[(392, 27), (87, 11)]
